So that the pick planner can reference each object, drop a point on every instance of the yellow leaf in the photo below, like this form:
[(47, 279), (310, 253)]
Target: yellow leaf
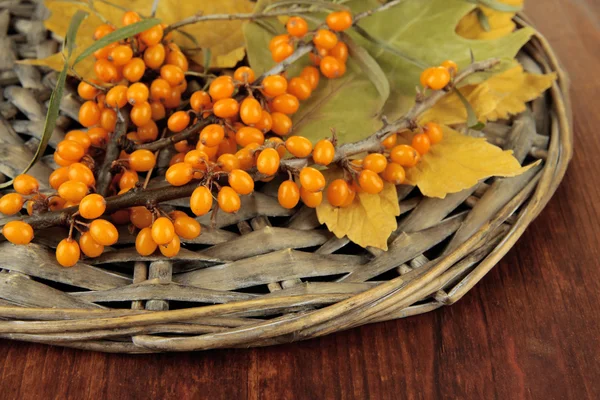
[(370, 219), (496, 98), (224, 38), (458, 162), (501, 23)]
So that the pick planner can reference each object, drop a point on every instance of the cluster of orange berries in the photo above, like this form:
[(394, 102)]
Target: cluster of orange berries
[(330, 54), (437, 78)]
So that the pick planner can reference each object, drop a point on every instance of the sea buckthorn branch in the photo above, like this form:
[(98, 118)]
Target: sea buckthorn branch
[(177, 137), (301, 50), (112, 152), (372, 11)]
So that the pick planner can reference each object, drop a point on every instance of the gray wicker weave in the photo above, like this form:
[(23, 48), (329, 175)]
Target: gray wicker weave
[(265, 275)]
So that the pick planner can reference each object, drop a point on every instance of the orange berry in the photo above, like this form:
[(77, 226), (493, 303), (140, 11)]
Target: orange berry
[(375, 162), (324, 152), (104, 52), (241, 181), (286, 104), (200, 100), (340, 52), (186, 227), (221, 88), (67, 252), (268, 161), (229, 201), (137, 93), (394, 173), (288, 194), (390, 141), (201, 200), (311, 199), (141, 114), (226, 108), (172, 248), (179, 174), (160, 90), (211, 152), (92, 206), (174, 98), (79, 172), (140, 217), (312, 179), (58, 177), (311, 75), (144, 244), (282, 51), (80, 137), (212, 135), (228, 162), (120, 217), (351, 196), (282, 124), (435, 78), (102, 30), (106, 71), (18, 232), (152, 36), (196, 159), (265, 123), (130, 17), (250, 111), (61, 161), (121, 55), (179, 59), (331, 67), (296, 26), (11, 203), (245, 158), (299, 146), (274, 85), (25, 184), (317, 55), (142, 160), (244, 75), (338, 192), (434, 132), (73, 191), (70, 150), (89, 246), (128, 180), (421, 143), (299, 88), (158, 110), (405, 155), (163, 231), (89, 114), (339, 20), (87, 91), (277, 40), (98, 136), (172, 74), (247, 134), (148, 132), (325, 39), (116, 96), (154, 56), (178, 121), (451, 66), (370, 182), (108, 123)]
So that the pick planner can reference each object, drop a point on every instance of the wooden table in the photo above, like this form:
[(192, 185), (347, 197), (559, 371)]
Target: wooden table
[(530, 329)]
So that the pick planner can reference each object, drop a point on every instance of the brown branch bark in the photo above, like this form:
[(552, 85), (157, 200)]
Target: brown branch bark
[(112, 152)]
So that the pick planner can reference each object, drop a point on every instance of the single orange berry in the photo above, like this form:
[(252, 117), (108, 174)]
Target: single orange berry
[(451, 66), (268, 161), (288, 194), (282, 51), (285, 103), (282, 124), (212, 135), (201, 200), (130, 17), (247, 135), (152, 36), (116, 97), (144, 244), (148, 132), (331, 67), (390, 141), (370, 182), (338, 192), (79, 172), (103, 232), (70, 150), (73, 191), (299, 88), (121, 55), (226, 108), (178, 121), (140, 217), (137, 93), (196, 159), (128, 180), (405, 155), (102, 30), (299, 146), (311, 199), (58, 177), (421, 143), (325, 39), (179, 174), (142, 160), (141, 114), (200, 100), (245, 158), (375, 162), (89, 246), (92, 206), (221, 88), (87, 91), (154, 56), (228, 162), (25, 184), (250, 111), (324, 152), (80, 137), (67, 252), (172, 248), (11, 203), (89, 114), (174, 98), (394, 173), (435, 78), (172, 74), (18, 232), (241, 181), (296, 26), (61, 161), (265, 123), (163, 230), (229, 201), (311, 75), (244, 74), (312, 179), (160, 90), (277, 40), (104, 52), (186, 227), (274, 85), (339, 20), (106, 71), (340, 52), (434, 132), (158, 110), (179, 59)]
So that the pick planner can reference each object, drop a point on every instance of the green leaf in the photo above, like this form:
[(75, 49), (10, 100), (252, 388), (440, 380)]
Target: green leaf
[(483, 20), (71, 35), (115, 36), (472, 121)]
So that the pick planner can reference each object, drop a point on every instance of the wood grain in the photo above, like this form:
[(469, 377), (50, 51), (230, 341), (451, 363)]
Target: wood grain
[(529, 330)]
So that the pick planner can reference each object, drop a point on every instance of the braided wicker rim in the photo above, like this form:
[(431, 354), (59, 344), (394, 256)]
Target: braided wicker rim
[(421, 286)]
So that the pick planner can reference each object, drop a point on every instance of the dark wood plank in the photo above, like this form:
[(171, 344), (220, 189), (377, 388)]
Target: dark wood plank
[(529, 330)]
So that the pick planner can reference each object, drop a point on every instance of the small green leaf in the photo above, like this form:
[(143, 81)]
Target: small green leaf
[(483, 20), (472, 120), (70, 37), (207, 57), (119, 34)]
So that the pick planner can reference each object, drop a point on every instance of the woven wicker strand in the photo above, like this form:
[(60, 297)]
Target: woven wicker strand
[(278, 276)]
